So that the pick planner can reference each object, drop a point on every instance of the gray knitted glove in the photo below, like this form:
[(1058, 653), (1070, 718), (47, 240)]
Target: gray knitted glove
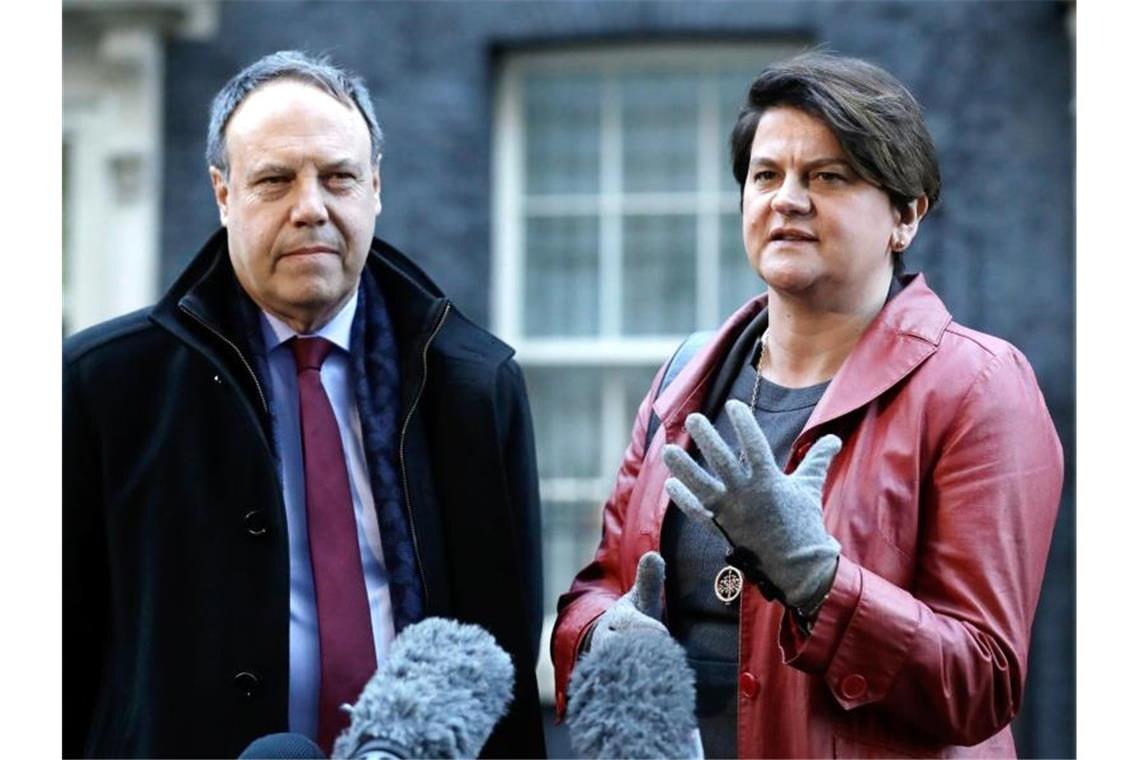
[(640, 609), (777, 517)]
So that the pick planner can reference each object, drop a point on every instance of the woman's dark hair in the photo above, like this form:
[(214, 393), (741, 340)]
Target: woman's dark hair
[(874, 117)]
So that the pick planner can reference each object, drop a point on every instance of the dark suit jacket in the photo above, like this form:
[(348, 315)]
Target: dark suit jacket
[(176, 567)]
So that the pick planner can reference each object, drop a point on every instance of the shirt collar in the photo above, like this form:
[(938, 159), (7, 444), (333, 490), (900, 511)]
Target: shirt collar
[(338, 330)]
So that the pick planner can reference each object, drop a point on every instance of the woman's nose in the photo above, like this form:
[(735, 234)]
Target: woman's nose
[(792, 198)]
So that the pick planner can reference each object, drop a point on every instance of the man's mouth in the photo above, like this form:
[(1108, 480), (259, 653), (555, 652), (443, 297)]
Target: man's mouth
[(310, 250)]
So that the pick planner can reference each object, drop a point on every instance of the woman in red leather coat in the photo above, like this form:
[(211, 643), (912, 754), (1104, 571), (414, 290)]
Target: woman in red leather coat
[(853, 494)]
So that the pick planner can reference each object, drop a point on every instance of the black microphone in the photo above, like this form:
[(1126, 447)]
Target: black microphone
[(633, 696), (439, 693), (282, 747)]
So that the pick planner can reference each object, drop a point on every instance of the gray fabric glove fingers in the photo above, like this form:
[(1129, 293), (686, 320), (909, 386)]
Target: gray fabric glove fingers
[(687, 503), (649, 586), (703, 486), (620, 619), (639, 609), (757, 451), (719, 456), (813, 469)]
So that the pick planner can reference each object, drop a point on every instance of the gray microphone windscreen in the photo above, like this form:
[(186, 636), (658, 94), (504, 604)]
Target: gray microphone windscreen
[(632, 696), (439, 693), (282, 747)]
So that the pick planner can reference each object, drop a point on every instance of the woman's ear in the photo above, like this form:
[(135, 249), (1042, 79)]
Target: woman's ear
[(906, 222)]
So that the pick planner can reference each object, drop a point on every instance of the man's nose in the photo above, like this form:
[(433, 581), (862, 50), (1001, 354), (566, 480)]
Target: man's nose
[(309, 204), (792, 197)]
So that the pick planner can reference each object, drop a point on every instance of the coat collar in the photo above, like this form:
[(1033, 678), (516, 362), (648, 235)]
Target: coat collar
[(207, 309), (906, 332), (415, 303), (688, 390), (208, 293), (207, 288), (903, 335)]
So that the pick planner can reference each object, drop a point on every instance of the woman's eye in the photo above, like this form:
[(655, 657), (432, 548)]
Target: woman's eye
[(829, 177)]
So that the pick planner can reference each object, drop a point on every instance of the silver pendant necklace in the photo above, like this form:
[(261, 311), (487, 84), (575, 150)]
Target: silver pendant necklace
[(729, 582)]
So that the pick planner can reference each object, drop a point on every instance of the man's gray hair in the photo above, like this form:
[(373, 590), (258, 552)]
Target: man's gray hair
[(287, 64)]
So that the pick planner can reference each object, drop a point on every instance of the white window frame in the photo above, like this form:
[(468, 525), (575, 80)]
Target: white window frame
[(709, 202)]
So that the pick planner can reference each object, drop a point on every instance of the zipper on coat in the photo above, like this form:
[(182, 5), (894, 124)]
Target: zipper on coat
[(240, 355), (403, 437)]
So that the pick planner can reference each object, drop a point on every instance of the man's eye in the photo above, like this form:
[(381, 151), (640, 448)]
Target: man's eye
[(829, 177), (764, 175), (342, 179), (272, 180)]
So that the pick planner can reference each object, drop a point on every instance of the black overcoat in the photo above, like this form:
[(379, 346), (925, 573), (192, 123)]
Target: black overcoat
[(175, 553)]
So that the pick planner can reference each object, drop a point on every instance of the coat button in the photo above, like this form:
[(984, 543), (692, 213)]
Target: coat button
[(255, 523), (749, 686), (246, 683), (853, 686)]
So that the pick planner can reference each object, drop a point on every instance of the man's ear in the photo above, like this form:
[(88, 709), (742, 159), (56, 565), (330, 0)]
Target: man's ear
[(907, 221), (376, 185), (221, 193)]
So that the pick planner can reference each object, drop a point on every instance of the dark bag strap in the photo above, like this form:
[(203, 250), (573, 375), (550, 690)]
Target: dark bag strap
[(686, 351)]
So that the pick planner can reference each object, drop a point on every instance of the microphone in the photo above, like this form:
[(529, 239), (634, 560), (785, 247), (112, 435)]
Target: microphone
[(633, 696), (439, 693), (282, 747)]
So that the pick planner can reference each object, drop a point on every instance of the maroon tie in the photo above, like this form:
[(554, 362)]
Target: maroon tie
[(348, 656)]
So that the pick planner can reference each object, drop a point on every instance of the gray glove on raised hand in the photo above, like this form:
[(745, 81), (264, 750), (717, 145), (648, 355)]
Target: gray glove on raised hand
[(640, 608), (777, 517)]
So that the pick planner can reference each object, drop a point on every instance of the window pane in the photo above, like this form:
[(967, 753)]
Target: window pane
[(567, 427), (562, 276), (659, 275), (732, 91), (570, 534), (563, 123), (659, 132), (738, 281)]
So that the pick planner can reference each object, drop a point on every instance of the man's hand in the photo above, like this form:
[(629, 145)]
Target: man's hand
[(777, 517), (640, 608)]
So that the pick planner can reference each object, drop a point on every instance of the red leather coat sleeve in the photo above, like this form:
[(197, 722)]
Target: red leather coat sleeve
[(601, 582), (949, 655)]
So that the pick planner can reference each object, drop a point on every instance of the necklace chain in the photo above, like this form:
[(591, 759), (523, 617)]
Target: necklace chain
[(729, 582), (759, 369), (756, 385)]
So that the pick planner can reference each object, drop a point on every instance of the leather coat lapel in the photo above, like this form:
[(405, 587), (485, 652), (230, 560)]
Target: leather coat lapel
[(904, 334)]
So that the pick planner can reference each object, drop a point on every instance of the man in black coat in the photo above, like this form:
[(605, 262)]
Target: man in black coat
[(192, 622)]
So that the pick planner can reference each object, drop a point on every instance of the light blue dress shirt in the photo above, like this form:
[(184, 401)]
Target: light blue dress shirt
[(304, 640)]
